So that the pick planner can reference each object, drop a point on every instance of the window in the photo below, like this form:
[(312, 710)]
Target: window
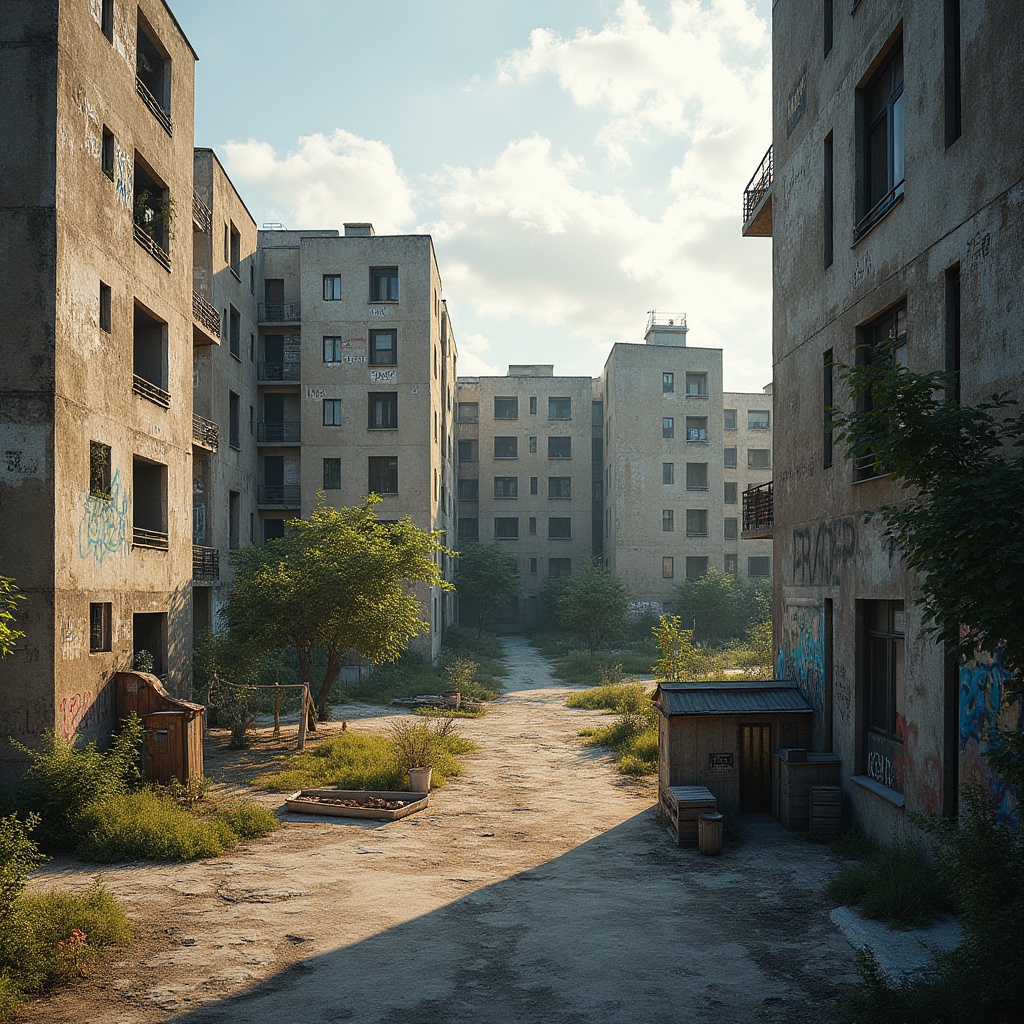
[(234, 420), (99, 469), (559, 567), (559, 447), (332, 412), (953, 73), (469, 529), (506, 447), (107, 19), (883, 678), (153, 73), (696, 476), (697, 428), (107, 156), (759, 566), (235, 333), (696, 522), (506, 487), (469, 451), (273, 529), (99, 628), (668, 520), (384, 284), (532, 445), (696, 385), (333, 350), (729, 419), (383, 474), (332, 474), (827, 12), (883, 343), (533, 405), (235, 252), (533, 566), (332, 287), (533, 484), (149, 504), (106, 301), (469, 490), (532, 528), (252, 279), (827, 399), (559, 408), (828, 201), (559, 527), (252, 347), (384, 348), (668, 567), (730, 458), (149, 354), (668, 427), (506, 527), (506, 408), (696, 566), (731, 564), (881, 170), (758, 420), (468, 412), (731, 491), (382, 410), (668, 383), (732, 529), (668, 472), (560, 487), (759, 458)]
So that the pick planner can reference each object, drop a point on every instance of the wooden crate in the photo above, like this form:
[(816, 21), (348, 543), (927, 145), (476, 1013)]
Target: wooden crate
[(686, 805), (826, 811)]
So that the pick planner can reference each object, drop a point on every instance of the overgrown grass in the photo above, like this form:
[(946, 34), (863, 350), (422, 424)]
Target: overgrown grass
[(895, 884), (375, 761), (634, 733)]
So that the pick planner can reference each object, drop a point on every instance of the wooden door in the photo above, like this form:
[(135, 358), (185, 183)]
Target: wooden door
[(756, 767)]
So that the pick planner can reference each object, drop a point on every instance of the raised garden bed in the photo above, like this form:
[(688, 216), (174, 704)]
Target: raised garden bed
[(357, 803)]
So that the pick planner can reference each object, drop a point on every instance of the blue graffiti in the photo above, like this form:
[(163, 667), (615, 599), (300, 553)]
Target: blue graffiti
[(104, 527), (802, 655)]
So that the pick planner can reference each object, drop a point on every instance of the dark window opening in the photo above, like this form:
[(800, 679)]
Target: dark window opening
[(559, 408), (560, 487), (383, 474), (107, 19), (382, 410), (506, 487), (828, 212), (152, 211), (99, 627), (560, 528), (106, 298), (332, 287), (506, 447), (383, 348), (235, 333), (827, 403), (696, 566), (882, 109), (99, 469), (506, 527), (107, 153), (234, 421), (506, 408), (153, 72), (149, 357), (953, 77), (332, 412), (559, 447), (149, 633), (384, 284), (149, 504), (332, 474)]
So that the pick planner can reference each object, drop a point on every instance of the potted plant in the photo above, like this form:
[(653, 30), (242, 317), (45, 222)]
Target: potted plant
[(418, 744)]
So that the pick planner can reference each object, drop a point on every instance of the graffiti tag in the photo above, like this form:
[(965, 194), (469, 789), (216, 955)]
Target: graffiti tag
[(103, 529), (821, 553)]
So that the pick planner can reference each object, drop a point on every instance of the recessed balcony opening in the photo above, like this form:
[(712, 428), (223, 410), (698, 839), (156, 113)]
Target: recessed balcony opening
[(149, 504), (152, 211), (153, 73), (149, 357)]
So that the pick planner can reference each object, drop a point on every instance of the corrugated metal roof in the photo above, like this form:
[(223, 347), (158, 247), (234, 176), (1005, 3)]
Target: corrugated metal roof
[(730, 698)]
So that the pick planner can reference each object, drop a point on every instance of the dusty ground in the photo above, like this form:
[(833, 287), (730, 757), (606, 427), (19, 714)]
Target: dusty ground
[(537, 887)]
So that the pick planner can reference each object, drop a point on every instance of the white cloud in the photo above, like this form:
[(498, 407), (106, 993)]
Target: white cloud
[(472, 357), (328, 180)]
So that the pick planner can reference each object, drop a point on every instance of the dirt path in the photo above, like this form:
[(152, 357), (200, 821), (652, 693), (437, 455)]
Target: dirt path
[(537, 887)]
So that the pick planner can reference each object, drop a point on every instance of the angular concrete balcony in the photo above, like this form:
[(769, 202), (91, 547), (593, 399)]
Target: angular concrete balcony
[(278, 496), (757, 200), (758, 512), (205, 566), (205, 321), (205, 433)]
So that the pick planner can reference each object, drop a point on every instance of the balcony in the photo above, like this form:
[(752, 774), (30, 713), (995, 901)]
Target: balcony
[(280, 312), (155, 106), (202, 215), (206, 317), (205, 433), (278, 495), (276, 373), (757, 200), (150, 391), (152, 246), (205, 566), (758, 512), (279, 432), (153, 539)]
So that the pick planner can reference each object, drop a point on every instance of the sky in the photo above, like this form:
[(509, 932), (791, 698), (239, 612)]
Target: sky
[(577, 162)]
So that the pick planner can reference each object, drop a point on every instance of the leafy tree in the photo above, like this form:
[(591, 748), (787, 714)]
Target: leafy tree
[(719, 607), (593, 604), (961, 473), (679, 659), (487, 579), (336, 581), (9, 598)]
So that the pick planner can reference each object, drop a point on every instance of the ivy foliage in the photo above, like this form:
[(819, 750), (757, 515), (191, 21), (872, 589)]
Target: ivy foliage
[(9, 598)]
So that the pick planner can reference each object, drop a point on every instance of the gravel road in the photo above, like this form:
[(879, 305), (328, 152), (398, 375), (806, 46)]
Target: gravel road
[(536, 887)]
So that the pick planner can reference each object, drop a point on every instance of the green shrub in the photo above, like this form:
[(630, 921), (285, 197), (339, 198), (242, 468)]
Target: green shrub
[(19, 855), (249, 820), (608, 697), (634, 733)]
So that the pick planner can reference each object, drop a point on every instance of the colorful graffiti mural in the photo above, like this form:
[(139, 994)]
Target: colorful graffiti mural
[(103, 529), (802, 654)]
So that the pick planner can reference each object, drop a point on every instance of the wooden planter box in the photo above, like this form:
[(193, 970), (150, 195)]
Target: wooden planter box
[(300, 803)]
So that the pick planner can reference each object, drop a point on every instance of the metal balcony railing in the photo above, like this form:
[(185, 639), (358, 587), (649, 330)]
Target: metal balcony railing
[(202, 215), (280, 312), (205, 565), (155, 539), (659, 318), (279, 495), (205, 433), (157, 108), (278, 371), (758, 507), (152, 246), (758, 186), (203, 312), (153, 392), (279, 432)]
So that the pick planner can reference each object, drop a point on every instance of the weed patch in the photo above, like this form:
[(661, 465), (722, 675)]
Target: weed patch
[(633, 735)]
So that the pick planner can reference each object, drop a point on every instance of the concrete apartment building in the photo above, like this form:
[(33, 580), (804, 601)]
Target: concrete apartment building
[(672, 470), (892, 194), (526, 477), (357, 369), (96, 410)]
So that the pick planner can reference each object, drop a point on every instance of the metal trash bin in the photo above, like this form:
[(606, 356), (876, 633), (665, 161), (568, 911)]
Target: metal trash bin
[(709, 833)]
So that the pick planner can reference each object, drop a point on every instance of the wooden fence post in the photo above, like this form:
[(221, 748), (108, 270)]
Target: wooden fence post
[(303, 713)]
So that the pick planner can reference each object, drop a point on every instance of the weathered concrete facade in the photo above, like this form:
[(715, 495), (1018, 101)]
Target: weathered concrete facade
[(96, 406), (895, 211)]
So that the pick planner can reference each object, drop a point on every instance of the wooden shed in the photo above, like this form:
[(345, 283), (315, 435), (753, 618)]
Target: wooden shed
[(174, 728), (723, 735)]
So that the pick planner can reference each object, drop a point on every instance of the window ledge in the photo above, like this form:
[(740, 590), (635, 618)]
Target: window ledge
[(238, 277), (887, 794), (877, 214), (382, 302)]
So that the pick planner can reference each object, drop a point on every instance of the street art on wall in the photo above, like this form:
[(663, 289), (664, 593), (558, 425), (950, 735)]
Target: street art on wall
[(103, 529), (802, 654)]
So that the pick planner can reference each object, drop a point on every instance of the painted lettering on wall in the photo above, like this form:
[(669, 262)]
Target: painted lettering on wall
[(802, 654), (377, 311), (861, 270), (123, 178), (378, 376), (641, 609), (315, 393), (821, 552), (880, 768), (85, 713), (979, 245), (103, 529)]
